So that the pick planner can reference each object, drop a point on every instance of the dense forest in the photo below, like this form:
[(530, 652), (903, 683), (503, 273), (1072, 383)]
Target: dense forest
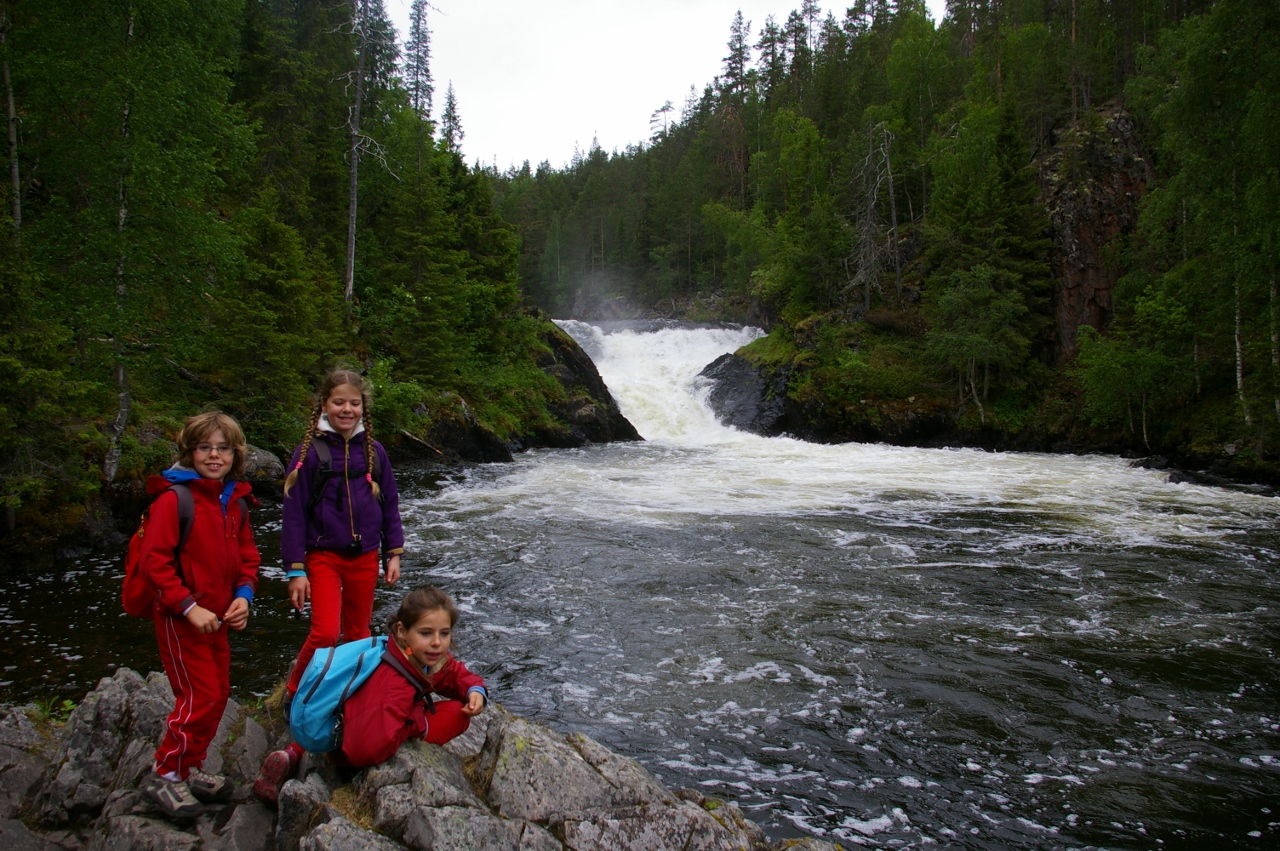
[(1038, 217), (1046, 223), (210, 203)]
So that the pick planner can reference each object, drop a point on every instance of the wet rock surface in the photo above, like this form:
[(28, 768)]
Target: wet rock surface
[(507, 783)]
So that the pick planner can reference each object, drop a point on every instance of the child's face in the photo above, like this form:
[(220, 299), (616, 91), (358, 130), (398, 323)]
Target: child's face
[(213, 456), (428, 640), (345, 409)]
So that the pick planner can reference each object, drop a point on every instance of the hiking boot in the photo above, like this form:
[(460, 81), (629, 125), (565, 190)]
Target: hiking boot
[(277, 768), (209, 788), (173, 797)]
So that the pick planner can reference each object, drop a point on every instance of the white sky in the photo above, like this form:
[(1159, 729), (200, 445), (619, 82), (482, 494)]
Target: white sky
[(534, 77)]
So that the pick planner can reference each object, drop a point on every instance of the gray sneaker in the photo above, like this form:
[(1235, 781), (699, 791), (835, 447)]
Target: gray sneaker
[(210, 788), (173, 797)]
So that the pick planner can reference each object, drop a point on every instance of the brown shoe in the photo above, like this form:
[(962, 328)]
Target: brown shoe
[(209, 788), (173, 797)]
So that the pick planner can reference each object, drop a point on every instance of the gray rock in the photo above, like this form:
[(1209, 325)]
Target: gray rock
[(392, 808), (142, 834), (540, 776), (246, 755), (213, 762), (686, 827), (250, 828), (460, 829), (90, 750), (19, 774), (728, 814), (262, 467), (342, 835), (16, 836), (302, 807), (507, 784), (397, 771), (17, 730), (438, 778)]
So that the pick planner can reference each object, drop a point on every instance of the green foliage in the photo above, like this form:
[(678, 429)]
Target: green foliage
[(183, 195)]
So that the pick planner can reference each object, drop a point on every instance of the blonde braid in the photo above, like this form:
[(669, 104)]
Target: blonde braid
[(369, 450), (292, 478)]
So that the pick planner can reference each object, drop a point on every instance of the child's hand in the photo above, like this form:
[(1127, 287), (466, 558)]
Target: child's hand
[(393, 570), (299, 591), (203, 620), (474, 705), (237, 617)]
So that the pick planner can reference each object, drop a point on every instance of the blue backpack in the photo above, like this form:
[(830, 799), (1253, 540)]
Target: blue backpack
[(332, 676)]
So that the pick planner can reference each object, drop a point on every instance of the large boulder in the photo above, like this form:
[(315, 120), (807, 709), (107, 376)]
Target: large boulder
[(508, 784), (588, 412), (747, 396)]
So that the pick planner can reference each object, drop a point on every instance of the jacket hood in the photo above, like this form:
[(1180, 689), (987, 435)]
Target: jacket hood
[(323, 425), (176, 474)]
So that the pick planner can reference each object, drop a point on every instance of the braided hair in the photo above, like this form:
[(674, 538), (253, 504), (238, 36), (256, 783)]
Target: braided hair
[(334, 379)]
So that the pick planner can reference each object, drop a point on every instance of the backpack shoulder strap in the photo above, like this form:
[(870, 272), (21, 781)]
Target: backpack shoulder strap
[(396, 661), (186, 513), (321, 448)]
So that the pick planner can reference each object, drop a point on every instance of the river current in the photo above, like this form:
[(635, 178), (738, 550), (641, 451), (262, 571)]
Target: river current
[(881, 646)]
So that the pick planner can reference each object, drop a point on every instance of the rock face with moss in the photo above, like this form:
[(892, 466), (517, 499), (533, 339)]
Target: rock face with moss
[(506, 784)]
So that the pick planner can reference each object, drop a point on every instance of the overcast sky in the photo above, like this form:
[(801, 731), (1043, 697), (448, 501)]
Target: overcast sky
[(533, 78)]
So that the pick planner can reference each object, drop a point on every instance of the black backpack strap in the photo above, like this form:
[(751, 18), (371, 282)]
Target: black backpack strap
[(326, 471), (396, 660)]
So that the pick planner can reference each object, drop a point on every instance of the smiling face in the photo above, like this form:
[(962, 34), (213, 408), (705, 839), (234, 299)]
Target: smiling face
[(428, 640), (213, 456), (344, 409)]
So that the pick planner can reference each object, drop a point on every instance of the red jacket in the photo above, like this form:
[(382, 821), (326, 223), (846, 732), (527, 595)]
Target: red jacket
[(385, 712), (218, 557)]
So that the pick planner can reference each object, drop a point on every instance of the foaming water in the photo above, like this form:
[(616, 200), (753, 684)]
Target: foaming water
[(878, 645)]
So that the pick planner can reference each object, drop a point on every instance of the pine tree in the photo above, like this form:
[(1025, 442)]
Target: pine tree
[(417, 61), (451, 122)]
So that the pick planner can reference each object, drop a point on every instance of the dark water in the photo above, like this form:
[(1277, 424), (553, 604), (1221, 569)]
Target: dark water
[(883, 647)]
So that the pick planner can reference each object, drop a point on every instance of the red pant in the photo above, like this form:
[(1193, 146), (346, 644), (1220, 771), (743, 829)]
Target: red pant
[(341, 603), (199, 669), (446, 723)]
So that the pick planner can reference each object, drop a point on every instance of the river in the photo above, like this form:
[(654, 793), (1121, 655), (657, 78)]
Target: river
[(881, 646)]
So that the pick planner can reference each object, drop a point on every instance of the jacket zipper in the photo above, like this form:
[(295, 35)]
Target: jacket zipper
[(346, 469)]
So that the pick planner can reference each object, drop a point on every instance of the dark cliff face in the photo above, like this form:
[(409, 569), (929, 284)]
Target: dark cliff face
[(589, 412), (1091, 184)]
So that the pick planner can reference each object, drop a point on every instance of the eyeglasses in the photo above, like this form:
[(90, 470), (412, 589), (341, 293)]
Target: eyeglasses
[(209, 449)]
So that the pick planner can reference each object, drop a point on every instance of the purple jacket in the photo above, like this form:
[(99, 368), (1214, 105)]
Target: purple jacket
[(346, 507)]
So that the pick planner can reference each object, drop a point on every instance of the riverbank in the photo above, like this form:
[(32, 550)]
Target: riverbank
[(507, 783)]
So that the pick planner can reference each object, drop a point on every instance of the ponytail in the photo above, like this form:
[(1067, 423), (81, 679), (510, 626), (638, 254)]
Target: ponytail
[(292, 478), (369, 449)]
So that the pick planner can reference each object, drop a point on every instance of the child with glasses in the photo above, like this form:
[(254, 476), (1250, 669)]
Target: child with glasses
[(203, 589)]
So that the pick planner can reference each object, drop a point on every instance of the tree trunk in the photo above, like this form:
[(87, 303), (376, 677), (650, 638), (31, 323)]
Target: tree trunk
[(973, 388), (1239, 331), (893, 221), (111, 461), (361, 26), (1275, 349), (14, 175)]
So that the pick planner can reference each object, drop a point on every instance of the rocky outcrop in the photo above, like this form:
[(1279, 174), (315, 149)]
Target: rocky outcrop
[(508, 783), (748, 397), (589, 412), (757, 398), (1091, 184)]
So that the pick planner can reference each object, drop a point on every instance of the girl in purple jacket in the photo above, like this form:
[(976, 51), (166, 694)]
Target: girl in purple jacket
[(341, 518)]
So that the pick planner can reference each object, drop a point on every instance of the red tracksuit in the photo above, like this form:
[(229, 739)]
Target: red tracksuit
[(385, 712), (218, 557)]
